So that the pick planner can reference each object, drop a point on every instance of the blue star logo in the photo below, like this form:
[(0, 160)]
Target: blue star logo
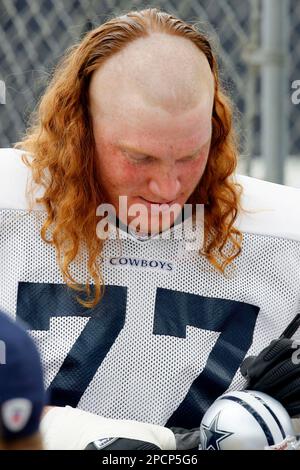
[(213, 435)]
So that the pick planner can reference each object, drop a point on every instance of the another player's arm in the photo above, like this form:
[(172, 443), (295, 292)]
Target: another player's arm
[(68, 428)]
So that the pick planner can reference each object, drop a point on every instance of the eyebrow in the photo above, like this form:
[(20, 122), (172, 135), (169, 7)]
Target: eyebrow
[(129, 148)]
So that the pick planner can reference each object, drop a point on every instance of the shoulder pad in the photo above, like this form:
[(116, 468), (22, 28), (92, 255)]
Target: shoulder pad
[(14, 179), (269, 209)]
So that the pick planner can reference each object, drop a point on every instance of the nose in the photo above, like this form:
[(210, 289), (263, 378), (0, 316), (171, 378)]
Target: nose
[(165, 186)]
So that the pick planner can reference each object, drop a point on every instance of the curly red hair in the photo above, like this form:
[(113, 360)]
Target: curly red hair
[(60, 141)]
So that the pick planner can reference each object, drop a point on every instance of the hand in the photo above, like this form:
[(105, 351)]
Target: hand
[(276, 372)]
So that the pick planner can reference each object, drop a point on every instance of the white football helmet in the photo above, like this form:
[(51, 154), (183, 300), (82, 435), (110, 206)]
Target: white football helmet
[(245, 420)]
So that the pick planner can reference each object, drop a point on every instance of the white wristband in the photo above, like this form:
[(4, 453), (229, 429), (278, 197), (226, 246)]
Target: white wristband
[(69, 428)]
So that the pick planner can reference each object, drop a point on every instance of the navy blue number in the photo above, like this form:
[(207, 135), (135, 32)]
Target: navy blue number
[(234, 320), (174, 311), (35, 301)]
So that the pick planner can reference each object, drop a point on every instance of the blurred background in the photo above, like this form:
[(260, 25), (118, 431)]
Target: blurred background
[(258, 48)]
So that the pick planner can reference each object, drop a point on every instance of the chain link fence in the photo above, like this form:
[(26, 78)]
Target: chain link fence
[(35, 33)]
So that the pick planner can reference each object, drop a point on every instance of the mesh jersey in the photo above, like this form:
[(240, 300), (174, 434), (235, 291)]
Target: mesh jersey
[(171, 332)]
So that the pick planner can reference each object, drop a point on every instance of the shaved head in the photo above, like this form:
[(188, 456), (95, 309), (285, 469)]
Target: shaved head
[(159, 70)]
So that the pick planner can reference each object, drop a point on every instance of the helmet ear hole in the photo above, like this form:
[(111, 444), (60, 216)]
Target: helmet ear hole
[(244, 420)]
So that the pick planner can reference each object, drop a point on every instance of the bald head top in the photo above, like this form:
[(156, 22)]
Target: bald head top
[(162, 70)]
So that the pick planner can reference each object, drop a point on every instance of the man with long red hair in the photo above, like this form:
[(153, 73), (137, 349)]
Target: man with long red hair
[(140, 327)]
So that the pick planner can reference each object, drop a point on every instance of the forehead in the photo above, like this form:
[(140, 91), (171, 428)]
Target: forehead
[(154, 131)]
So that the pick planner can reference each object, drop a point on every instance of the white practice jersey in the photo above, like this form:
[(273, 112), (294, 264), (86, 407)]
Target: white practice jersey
[(171, 331)]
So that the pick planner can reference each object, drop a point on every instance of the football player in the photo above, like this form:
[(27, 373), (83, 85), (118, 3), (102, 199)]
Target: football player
[(142, 318)]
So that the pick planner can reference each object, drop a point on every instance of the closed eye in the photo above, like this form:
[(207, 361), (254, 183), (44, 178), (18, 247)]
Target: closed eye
[(192, 158), (138, 158)]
